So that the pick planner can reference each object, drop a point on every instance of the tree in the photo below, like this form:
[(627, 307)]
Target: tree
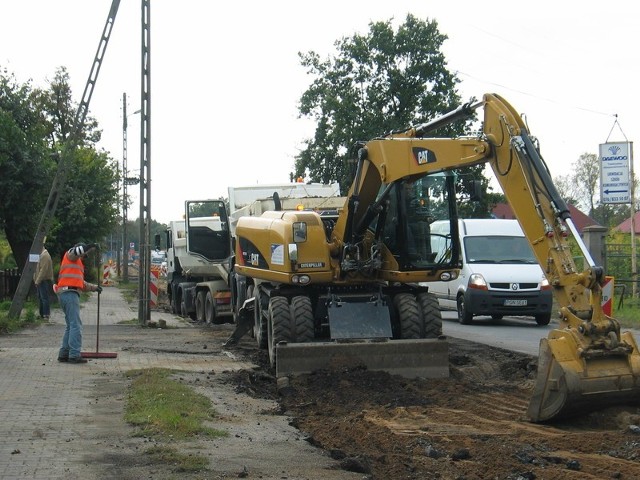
[(586, 175), (26, 166), (376, 83), (34, 124)]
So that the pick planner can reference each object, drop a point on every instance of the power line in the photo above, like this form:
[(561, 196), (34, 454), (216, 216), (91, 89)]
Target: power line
[(537, 97)]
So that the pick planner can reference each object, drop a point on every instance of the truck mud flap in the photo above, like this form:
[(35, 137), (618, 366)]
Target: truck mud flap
[(426, 358), (570, 383)]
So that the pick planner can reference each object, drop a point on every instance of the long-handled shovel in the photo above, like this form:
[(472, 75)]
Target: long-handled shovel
[(98, 353)]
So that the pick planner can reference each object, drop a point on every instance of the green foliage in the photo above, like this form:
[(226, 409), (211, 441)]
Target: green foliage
[(133, 232), (26, 166), (34, 126), (379, 82), (165, 408), (627, 312), (176, 461), (6, 257), (11, 325)]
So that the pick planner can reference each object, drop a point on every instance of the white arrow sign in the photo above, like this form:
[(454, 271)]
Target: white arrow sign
[(614, 173)]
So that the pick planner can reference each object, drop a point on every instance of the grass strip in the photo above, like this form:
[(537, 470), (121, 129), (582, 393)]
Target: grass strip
[(165, 408)]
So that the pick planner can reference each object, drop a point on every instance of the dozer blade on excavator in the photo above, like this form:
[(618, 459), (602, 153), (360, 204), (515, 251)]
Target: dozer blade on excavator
[(426, 358), (574, 380)]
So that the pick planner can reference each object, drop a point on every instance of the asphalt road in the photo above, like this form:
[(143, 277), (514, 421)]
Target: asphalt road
[(519, 334)]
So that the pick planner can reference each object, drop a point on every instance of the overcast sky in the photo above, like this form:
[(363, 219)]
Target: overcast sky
[(226, 77)]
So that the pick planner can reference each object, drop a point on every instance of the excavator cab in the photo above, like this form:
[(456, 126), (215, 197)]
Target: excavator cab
[(412, 206)]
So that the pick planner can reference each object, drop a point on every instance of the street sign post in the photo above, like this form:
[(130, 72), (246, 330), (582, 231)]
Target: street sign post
[(614, 173)]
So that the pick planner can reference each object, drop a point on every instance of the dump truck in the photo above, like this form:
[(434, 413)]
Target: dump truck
[(198, 253), (361, 291)]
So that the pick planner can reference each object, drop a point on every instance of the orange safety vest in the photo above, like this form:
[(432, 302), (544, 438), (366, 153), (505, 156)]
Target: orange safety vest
[(71, 273)]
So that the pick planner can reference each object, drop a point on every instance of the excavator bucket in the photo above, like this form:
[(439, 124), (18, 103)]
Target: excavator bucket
[(572, 380)]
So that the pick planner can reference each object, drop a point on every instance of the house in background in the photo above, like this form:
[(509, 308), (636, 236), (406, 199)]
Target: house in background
[(625, 227), (580, 219)]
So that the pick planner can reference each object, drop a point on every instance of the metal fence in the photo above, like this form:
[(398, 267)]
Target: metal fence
[(617, 263), (8, 283)]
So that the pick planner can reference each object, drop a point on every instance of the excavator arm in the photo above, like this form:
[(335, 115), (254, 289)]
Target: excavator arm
[(584, 364)]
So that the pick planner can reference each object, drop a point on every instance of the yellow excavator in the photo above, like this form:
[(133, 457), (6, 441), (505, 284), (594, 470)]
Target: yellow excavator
[(323, 286)]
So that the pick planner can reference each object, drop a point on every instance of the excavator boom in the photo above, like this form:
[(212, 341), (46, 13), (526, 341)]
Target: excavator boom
[(586, 363), (359, 278)]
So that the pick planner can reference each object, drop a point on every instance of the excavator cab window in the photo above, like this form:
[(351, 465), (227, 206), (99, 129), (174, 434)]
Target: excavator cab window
[(413, 205)]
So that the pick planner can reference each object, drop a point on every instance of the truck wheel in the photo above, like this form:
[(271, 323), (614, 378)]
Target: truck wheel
[(209, 309), (431, 314), (409, 315), (464, 317), (260, 321), (174, 305), (279, 325), (200, 316), (302, 312), (543, 319)]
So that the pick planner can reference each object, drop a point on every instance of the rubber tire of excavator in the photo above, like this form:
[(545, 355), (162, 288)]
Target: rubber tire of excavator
[(260, 322), (302, 316), (411, 323), (279, 326), (431, 314)]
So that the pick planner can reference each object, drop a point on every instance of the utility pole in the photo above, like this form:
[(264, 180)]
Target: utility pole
[(144, 307), (634, 261), (63, 169), (125, 182)]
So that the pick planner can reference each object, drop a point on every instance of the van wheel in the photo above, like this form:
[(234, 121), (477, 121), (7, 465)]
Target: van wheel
[(464, 317), (543, 319)]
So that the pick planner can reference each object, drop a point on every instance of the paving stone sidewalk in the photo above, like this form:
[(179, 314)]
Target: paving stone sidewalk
[(46, 407)]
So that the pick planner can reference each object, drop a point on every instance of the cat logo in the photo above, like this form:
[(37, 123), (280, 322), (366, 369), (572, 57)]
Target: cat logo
[(423, 155)]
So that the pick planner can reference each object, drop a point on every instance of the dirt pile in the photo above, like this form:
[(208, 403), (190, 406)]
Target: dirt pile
[(470, 426)]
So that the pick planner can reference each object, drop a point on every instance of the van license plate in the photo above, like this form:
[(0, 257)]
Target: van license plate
[(515, 303)]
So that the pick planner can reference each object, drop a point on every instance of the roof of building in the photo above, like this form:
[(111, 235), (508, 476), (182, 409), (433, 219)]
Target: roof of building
[(625, 227), (580, 219)]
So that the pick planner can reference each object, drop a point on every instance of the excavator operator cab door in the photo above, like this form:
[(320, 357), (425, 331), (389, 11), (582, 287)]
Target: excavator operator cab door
[(413, 205)]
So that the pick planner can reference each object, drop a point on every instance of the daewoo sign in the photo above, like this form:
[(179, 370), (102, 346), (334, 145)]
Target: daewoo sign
[(614, 173)]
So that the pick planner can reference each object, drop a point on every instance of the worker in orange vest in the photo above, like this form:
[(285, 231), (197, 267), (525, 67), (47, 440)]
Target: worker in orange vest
[(70, 284)]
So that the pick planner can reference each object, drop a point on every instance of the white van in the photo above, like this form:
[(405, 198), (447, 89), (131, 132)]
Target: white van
[(500, 274)]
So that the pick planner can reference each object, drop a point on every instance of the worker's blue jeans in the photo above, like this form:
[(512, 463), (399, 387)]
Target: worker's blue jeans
[(44, 288), (72, 339)]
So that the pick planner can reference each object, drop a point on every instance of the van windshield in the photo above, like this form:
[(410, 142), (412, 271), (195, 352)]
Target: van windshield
[(498, 249)]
